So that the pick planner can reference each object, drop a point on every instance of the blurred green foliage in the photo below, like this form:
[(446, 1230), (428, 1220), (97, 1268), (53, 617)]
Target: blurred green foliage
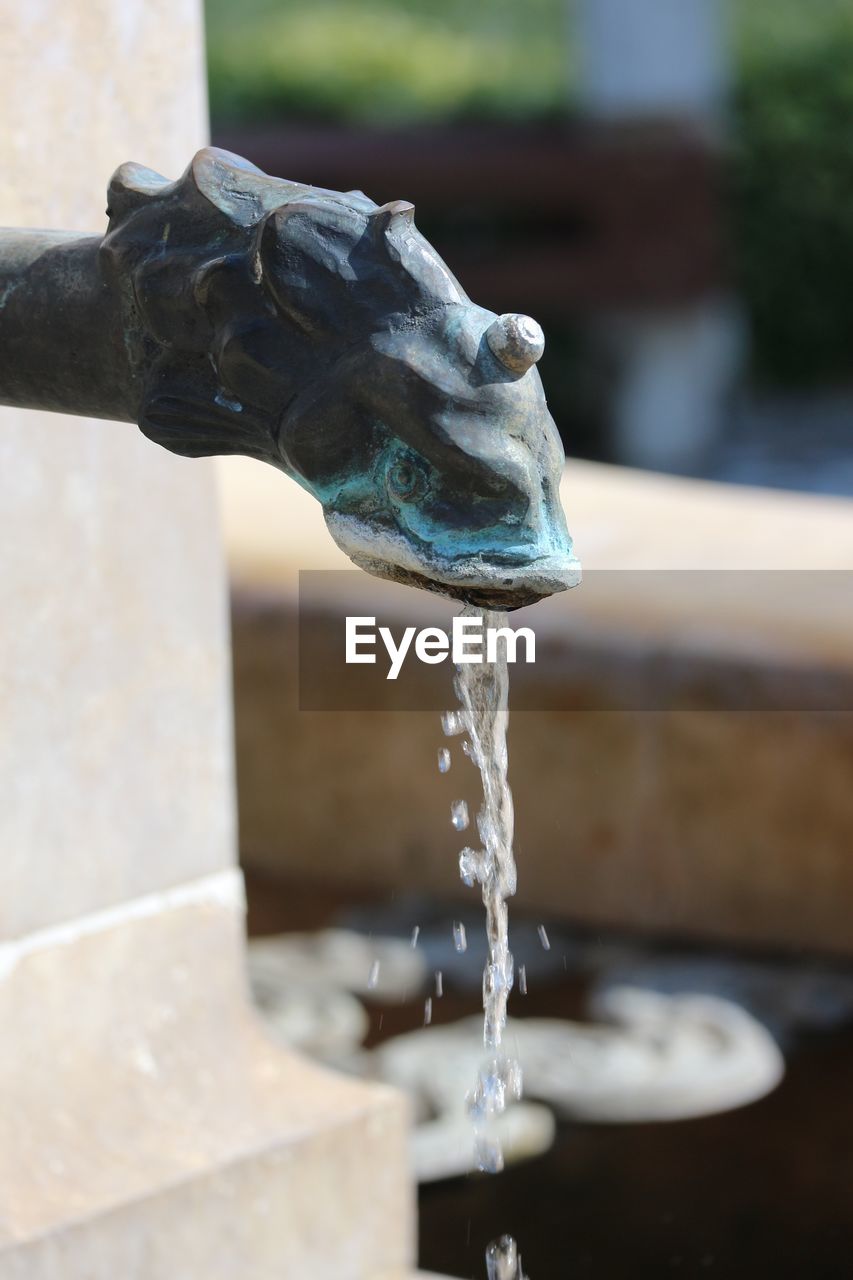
[(388, 61), (405, 61), (792, 189)]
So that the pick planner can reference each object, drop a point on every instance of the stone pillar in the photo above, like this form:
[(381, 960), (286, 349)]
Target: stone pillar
[(665, 64), (147, 1128)]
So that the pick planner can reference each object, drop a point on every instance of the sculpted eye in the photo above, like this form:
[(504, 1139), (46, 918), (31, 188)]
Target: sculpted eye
[(405, 480)]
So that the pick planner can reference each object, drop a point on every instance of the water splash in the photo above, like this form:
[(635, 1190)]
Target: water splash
[(471, 866)]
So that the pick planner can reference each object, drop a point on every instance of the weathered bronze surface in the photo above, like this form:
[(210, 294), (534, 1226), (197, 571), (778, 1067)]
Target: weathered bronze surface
[(231, 312)]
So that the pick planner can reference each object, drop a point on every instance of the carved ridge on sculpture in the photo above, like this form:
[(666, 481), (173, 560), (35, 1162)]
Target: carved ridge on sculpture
[(180, 298)]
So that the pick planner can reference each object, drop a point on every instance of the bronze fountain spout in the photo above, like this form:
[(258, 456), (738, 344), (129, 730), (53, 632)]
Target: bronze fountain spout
[(231, 312)]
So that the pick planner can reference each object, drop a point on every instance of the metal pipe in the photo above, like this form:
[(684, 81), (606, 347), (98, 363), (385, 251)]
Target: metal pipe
[(61, 343)]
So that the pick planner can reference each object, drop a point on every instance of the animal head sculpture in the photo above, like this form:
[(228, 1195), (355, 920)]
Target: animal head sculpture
[(321, 333)]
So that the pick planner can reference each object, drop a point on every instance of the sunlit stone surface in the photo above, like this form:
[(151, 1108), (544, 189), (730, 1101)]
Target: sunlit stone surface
[(149, 1128)]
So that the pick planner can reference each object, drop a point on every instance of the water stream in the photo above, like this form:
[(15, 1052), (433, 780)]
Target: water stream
[(482, 689), (483, 692)]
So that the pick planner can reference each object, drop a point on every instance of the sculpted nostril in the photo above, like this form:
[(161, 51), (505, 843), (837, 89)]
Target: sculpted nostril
[(516, 341)]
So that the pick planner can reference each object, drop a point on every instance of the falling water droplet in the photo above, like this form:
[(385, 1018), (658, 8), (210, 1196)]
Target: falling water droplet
[(503, 1261), (452, 723), (427, 1011), (543, 938), (443, 759), (460, 939), (415, 934), (439, 983), (470, 863), (459, 815), (522, 979), (373, 976)]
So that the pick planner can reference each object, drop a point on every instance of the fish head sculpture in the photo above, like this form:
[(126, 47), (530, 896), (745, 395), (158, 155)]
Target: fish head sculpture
[(326, 336), (447, 465)]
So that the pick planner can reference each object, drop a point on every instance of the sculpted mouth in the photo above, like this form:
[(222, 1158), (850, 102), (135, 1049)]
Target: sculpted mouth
[(501, 593), (503, 580), (494, 584)]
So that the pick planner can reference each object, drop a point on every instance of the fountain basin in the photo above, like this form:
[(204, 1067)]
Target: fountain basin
[(744, 872)]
